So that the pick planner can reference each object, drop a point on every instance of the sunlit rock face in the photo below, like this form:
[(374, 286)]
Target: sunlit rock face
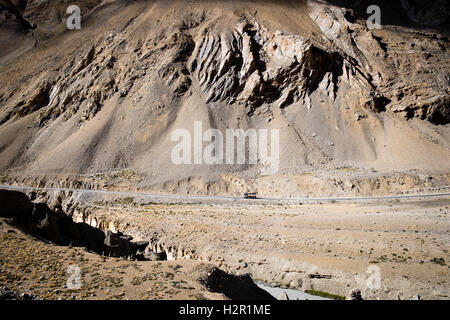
[(254, 65)]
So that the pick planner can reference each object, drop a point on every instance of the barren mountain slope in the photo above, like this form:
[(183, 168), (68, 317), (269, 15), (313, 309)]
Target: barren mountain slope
[(352, 105)]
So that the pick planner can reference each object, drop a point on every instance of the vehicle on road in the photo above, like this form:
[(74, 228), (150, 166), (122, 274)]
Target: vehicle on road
[(250, 195)]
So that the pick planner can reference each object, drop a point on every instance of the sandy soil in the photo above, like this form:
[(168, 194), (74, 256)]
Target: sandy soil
[(321, 247), (32, 266)]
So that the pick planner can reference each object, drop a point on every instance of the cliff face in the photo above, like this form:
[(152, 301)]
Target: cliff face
[(109, 96)]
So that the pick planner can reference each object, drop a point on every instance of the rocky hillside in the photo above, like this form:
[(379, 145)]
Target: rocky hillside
[(350, 103)]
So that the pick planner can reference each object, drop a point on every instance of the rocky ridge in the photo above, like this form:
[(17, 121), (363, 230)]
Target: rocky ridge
[(341, 93)]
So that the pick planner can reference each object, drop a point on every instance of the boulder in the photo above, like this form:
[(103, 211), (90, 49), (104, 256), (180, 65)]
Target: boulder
[(355, 294), (154, 256)]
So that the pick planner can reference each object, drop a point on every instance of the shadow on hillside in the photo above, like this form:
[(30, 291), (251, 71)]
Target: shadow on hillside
[(393, 13)]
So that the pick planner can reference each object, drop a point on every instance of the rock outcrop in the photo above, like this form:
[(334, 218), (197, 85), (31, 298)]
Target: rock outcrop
[(355, 294), (254, 66), (235, 287), (373, 67), (55, 226)]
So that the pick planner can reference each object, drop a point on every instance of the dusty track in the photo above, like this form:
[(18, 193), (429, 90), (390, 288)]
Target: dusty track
[(154, 196)]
